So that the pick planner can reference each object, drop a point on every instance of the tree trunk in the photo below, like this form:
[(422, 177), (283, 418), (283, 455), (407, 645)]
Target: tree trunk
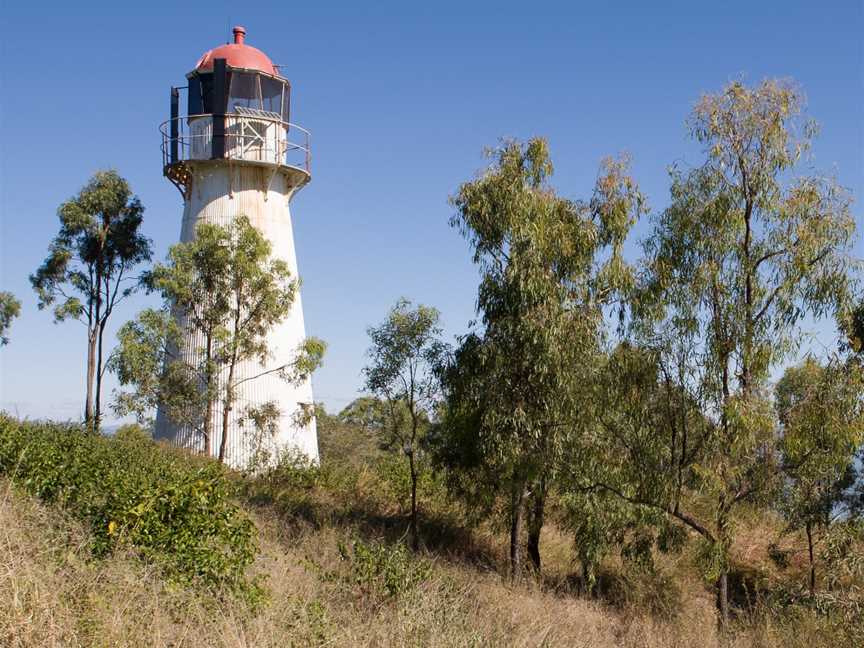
[(723, 601), (97, 415), (517, 505), (208, 428), (94, 322), (415, 540), (227, 404), (587, 578), (535, 523), (208, 387), (91, 371), (809, 529), (723, 579)]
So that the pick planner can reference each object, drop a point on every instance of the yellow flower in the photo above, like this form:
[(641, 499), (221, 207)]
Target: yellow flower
[(112, 527)]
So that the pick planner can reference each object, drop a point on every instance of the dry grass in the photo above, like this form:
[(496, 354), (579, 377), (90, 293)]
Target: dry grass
[(55, 594)]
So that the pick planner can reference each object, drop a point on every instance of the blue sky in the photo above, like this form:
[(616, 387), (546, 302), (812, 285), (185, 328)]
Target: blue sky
[(401, 98)]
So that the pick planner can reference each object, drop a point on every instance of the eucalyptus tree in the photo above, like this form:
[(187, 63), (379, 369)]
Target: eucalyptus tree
[(10, 308), (367, 412), (404, 359), (548, 267), (747, 248), (227, 287), (88, 268), (822, 419)]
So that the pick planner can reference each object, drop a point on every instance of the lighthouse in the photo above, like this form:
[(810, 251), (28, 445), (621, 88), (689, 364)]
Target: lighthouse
[(234, 152)]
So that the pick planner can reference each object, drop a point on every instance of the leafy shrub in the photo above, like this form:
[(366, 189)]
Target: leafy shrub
[(373, 572), (174, 509), (381, 571), (394, 474)]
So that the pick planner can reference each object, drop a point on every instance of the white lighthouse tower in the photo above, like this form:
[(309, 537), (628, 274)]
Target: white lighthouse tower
[(234, 152)]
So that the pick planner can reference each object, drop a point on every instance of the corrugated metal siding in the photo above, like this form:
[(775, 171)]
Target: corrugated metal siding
[(209, 201)]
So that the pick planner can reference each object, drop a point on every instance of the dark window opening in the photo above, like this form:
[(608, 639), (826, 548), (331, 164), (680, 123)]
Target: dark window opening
[(194, 106), (244, 91)]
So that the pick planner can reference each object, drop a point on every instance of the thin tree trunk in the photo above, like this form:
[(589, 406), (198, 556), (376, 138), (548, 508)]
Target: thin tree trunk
[(208, 413), (517, 505), (91, 369), (535, 523), (587, 586), (723, 579), (229, 386), (94, 321), (415, 540), (97, 417), (208, 428), (809, 529), (723, 601), (227, 405)]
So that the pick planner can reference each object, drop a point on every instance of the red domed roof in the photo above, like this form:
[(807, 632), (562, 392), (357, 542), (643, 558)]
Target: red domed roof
[(237, 55)]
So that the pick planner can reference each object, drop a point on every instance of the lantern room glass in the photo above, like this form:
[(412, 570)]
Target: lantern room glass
[(246, 90)]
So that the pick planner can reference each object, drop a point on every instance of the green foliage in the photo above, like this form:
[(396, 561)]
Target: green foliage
[(403, 372), (87, 270), (602, 524), (143, 359), (851, 321), (549, 266), (10, 308), (838, 608), (173, 509), (740, 256), (371, 414), (225, 285), (395, 478), (379, 572), (822, 417), (404, 356), (344, 438)]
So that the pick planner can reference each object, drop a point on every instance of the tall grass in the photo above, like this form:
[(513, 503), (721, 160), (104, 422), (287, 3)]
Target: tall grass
[(337, 573)]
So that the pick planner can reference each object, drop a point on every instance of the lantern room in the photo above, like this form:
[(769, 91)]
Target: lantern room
[(237, 108), (249, 82)]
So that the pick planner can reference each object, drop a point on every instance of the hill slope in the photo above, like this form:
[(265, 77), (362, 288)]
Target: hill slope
[(322, 592)]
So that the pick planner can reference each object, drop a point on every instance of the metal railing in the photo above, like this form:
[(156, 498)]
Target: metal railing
[(251, 138)]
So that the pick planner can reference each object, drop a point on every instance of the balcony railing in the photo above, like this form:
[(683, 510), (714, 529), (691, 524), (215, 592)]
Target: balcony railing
[(250, 136)]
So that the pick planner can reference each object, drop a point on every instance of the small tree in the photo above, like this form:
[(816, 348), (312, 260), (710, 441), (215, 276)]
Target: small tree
[(87, 271), (820, 412), (405, 353), (549, 266), (9, 310), (744, 251), (225, 286)]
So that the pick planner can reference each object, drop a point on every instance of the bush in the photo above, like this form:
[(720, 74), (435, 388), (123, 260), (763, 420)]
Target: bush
[(394, 475), (174, 509), (375, 572), (384, 571)]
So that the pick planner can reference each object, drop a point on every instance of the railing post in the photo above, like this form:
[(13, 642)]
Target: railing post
[(174, 124)]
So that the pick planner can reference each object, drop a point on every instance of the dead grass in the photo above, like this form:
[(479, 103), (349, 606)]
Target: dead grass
[(55, 594)]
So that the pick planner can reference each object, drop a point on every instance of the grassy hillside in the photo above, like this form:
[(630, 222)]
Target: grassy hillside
[(335, 572)]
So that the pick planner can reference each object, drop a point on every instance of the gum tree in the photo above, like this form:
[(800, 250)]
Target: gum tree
[(747, 248), (10, 308), (405, 354), (226, 286), (88, 270), (548, 267), (819, 407)]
